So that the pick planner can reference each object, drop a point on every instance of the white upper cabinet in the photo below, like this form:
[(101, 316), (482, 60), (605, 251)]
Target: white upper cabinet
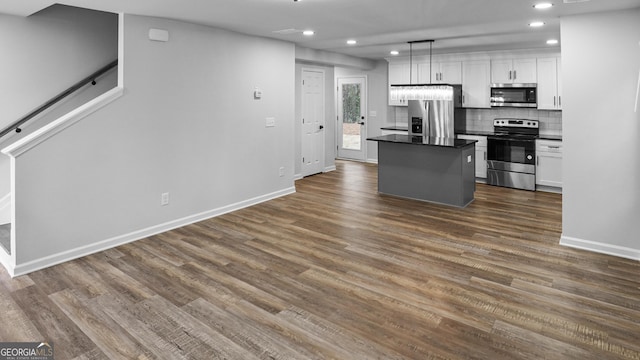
[(511, 71), (423, 74), (549, 84), (475, 84), (501, 71), (449, 72), (399, 74), (476, 73)]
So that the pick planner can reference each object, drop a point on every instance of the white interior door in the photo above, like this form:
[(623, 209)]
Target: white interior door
[(312, 122), (352, 126)]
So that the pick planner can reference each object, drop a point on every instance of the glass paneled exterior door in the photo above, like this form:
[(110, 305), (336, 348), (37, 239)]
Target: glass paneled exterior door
[(351, 118)]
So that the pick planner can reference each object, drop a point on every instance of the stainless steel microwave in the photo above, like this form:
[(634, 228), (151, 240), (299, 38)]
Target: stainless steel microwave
[(514, 95)]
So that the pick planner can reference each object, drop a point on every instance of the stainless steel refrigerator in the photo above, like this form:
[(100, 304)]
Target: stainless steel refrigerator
[(436, 118)]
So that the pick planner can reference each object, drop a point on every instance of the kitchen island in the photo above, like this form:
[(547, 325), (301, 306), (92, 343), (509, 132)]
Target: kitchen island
[(439, 170)]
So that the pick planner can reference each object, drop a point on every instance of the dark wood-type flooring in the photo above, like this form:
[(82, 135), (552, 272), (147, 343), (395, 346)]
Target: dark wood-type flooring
[(337, 271)]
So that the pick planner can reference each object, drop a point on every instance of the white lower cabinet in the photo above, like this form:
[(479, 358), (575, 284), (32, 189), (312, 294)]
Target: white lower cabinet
[(549, 163), (481, 154)]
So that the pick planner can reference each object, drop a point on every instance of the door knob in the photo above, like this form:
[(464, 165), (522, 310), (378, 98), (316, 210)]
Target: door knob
[(361, 123)]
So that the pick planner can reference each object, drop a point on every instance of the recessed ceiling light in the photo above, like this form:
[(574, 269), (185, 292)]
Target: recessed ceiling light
[(536, 24), (552, 41), (351, 42), (394, 52), (541, 6), (308, 32)]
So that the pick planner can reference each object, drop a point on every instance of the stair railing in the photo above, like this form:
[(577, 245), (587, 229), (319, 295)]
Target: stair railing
[(89, 79)]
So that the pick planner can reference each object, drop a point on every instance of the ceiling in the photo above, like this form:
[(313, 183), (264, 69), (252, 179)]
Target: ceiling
[(379, 26)]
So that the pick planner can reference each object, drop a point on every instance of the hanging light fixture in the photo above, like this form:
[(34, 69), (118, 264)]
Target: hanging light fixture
[(421, 91)]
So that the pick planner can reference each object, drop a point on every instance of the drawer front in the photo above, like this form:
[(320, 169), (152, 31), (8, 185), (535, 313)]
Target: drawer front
[(549, 146)]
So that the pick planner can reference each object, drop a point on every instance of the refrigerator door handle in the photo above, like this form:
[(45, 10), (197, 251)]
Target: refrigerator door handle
[(427, 123)]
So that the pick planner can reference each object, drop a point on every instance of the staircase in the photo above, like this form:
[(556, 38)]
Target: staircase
[(80, 93), (5, 238)]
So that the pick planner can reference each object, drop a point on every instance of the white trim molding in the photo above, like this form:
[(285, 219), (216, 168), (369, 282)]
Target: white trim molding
[(329, 169), (51, 260), (32, 140), (7, 261), (602, 248)]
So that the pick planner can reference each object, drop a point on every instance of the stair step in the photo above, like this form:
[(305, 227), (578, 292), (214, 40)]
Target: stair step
[(5, 237)]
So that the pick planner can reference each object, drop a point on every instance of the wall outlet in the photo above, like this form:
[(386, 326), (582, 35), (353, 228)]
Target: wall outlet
[(164, 199), (270, 122), (469, 158), (281, 171)]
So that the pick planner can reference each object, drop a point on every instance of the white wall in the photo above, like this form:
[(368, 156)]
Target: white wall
[(601, 185), (377, 101), (328, 58), (329, 111), (187, 124), (44, 54)]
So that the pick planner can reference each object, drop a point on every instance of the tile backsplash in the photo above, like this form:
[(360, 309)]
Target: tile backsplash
[(482, 119)]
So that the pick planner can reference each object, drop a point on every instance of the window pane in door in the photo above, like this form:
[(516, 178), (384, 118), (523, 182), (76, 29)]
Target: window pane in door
[(351, 117)]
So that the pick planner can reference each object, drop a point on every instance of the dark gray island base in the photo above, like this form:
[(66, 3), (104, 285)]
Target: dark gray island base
[(439, 170)]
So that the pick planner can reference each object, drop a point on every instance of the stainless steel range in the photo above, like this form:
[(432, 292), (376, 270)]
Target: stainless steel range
[(511, 153)]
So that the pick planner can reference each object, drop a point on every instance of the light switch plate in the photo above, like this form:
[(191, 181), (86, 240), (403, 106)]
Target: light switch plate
[(469, 158)]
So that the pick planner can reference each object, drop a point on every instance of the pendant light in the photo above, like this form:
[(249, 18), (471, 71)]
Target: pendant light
[(421, 91)]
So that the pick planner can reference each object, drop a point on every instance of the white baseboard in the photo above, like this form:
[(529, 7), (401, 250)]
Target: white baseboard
[(329, 169), (602, 248), (297, 177), (552, 189), (31, 266), (372, 161)]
